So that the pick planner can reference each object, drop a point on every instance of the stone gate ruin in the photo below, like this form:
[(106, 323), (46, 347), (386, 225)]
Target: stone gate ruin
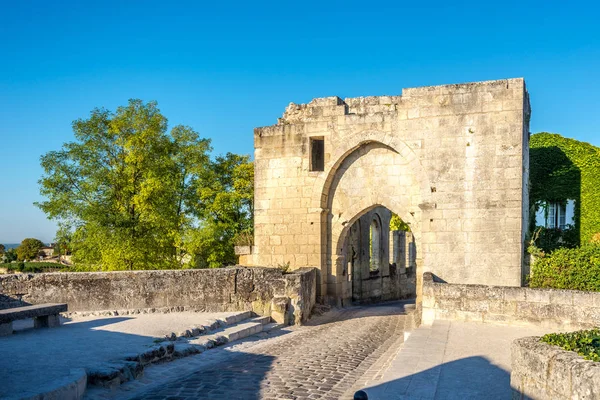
[(451, 161)]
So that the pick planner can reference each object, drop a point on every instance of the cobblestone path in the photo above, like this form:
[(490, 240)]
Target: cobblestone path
[(338, 354)]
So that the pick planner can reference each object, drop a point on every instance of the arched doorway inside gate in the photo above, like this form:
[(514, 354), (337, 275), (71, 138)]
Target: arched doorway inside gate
[(370, 176), (379, 255)]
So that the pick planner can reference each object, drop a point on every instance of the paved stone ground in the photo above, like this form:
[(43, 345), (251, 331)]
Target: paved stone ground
[(320, 361), (33, 358), (450, 360), (339, 353)]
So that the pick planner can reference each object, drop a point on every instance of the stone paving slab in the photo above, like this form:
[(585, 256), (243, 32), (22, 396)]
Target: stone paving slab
[(451, 360), (34, 358)]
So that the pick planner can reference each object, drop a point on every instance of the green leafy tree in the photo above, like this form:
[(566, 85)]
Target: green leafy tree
[(10, 255), (29, 249), (63, 239), (225, 200), (127, 187), (2, 249)]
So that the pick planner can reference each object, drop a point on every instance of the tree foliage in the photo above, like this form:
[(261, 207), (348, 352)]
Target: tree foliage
[(10, 255), (2, 249), (226, 197), (29, 249), (63, 239), (397, 224), (136, 196)]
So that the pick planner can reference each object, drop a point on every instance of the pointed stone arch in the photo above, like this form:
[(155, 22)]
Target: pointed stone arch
[(364, 176)]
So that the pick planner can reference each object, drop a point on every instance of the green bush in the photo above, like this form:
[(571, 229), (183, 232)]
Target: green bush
[(584, 343), (31, 267), (576, 269)]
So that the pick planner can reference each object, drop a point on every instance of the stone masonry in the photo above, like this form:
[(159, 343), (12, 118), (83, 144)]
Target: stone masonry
[(124, 292), (450, 160), (544, 372), (548, 308)]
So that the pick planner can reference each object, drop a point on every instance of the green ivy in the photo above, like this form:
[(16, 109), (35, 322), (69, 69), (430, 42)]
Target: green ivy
[(575, 269), (549, 239), (584, 343), (562, 169)]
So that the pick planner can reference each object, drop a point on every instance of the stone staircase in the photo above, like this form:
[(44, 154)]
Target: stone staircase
[(192, 341), (241, 330)]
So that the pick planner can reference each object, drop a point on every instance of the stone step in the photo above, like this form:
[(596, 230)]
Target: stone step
[(190, 342), (272, 326), (196, 341), (234, 319), (234, 332), (262, 320), (210, 326)]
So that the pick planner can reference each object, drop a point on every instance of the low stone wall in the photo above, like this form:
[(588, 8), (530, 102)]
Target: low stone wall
[(224, 289), (541, 371), (552, 308)]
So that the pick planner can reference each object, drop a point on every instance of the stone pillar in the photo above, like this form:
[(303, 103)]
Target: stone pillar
[(411, 251), (399, 251)]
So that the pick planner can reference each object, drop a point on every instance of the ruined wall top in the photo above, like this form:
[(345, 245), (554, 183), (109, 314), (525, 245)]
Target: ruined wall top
[(327, 107)]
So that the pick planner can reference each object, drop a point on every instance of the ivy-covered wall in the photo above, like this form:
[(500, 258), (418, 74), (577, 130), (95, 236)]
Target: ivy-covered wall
[(562, 169)]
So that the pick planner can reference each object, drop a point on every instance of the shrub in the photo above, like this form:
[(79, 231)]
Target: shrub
[(576, 269), (584, 343)]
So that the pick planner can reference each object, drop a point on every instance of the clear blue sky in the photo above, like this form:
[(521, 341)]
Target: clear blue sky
[(225, 69)]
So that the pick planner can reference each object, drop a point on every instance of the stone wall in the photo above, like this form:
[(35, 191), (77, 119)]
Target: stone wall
[(544, 372), (450, 160), (224, 289), (552, 308)]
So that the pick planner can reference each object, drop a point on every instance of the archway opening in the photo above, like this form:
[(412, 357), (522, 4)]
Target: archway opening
[(379, 255)]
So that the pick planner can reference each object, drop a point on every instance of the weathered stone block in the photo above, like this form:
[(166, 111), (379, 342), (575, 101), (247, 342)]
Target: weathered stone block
[(279, 310), (542, 371)]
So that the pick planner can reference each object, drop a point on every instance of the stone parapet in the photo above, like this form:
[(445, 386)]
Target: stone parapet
[(552, 308), (541, 371), (224, 289)]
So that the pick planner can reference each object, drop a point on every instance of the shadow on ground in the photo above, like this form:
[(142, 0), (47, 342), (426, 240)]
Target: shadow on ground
[(34, 360), (240, 377), (466, 378)]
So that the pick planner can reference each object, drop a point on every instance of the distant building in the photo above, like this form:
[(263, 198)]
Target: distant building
[(46, 252)]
